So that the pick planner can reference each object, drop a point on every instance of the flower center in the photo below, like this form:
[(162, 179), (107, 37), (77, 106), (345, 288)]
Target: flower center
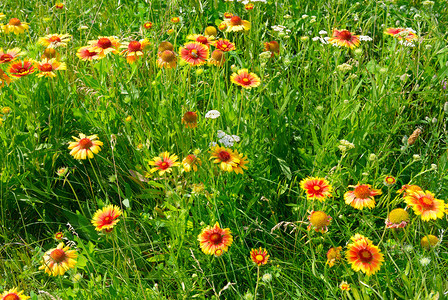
[(15, 22), (167, 56), (23, 70), (316, 188), (345, 35), (104, 43), (245, 80), (235, 20), (202, 40), (362, 191), (85, 143), (50, 53), (398, 215), (6, 57), (46, 67), (12, 296), (365, 256), (259, 257), (134, 46), (319, 219), (194, 53), (58, 255), (164, 165), (190, 117), (90, 53), (224, 156), (426, 201), (107, 220), (216, 238), (55, 38), (217, 55)]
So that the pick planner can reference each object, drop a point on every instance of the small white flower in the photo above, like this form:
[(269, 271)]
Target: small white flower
[(236, 138), (212, 114), (434, 167), (365, 38), (408, 248), (220, 134), (287, 16), (323, 32), (212, 144), (304, 16), (372, 157), (424, 261), (266, 277)]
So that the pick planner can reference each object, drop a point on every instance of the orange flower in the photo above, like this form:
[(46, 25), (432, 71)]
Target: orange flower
[(167, 59), (316, 188), (425, 204), (205, 40), (272, 47), (13, 294), (361, 196), (401, 33), (228, 15), (249, 6), (58, 236), (344, 38), (224, 45), (225, 157), (163, 163), (333, 256), (106, 218), (236, 24), (406, 189), (105, 45), (344, 286), (4, 78), (319, 221), (214, 240), (398, 218), (259, 256), (190, 119), (175, 20), (10, 55), (245, 79), (48, 66), (58, 260), (217, 58), (15, 26), (55, 40), (87, 53), (191, 162), (364, 256), (194, 53), (222, 26), (147, 25), (85, 146), (134, 50), (21, 68), (238, 169), (389, 180)]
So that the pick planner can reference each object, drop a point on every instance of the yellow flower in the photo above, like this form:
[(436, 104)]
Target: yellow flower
[(85, 146), (58, 260)]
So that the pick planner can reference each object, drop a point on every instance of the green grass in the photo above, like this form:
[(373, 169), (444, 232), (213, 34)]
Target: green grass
[(290, 128)]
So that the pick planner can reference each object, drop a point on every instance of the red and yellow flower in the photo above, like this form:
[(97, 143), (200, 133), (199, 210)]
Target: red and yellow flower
[(205, 40), (59, 5), (190, 119), (47, 67), (147, 25), (15, 26), (85, 146), (401, 33), (163, 163), (319, 220), (190, 162), (225, 157), (194, 53), (259, 256), (106, 218), (87, 53), (397, 218), (58, 260), (364, 256), (10, 55), (21, 68), (333, 256), (167, 59), (54, 40), (4, 79), (134, 50), (344, 38), (58, 236), (105, 45), (13, 294), (236, 24), (425, 204), (245, 79), (344, 286), (406, 189), (316, 188), (175, 20), (389, 180), (273, 47), (238, 169), (249, 6), (214, 240), (362, 196), (224, 45)]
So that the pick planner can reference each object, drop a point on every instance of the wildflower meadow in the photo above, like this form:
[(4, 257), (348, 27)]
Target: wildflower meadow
[(211, 149)]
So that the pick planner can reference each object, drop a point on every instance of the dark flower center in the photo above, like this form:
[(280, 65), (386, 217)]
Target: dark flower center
[(104, 43), (362, 192), (345, 35), (58, 255), (134, 46), (167, 56), (164, 165), (55, 38), (202, 40), (46, 67), (224, 156), (427, 202), (218, 55), (216, 238), (15, 22), (235, 20), (365, 256), (107, 220), (85, 143), (190, 117)]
